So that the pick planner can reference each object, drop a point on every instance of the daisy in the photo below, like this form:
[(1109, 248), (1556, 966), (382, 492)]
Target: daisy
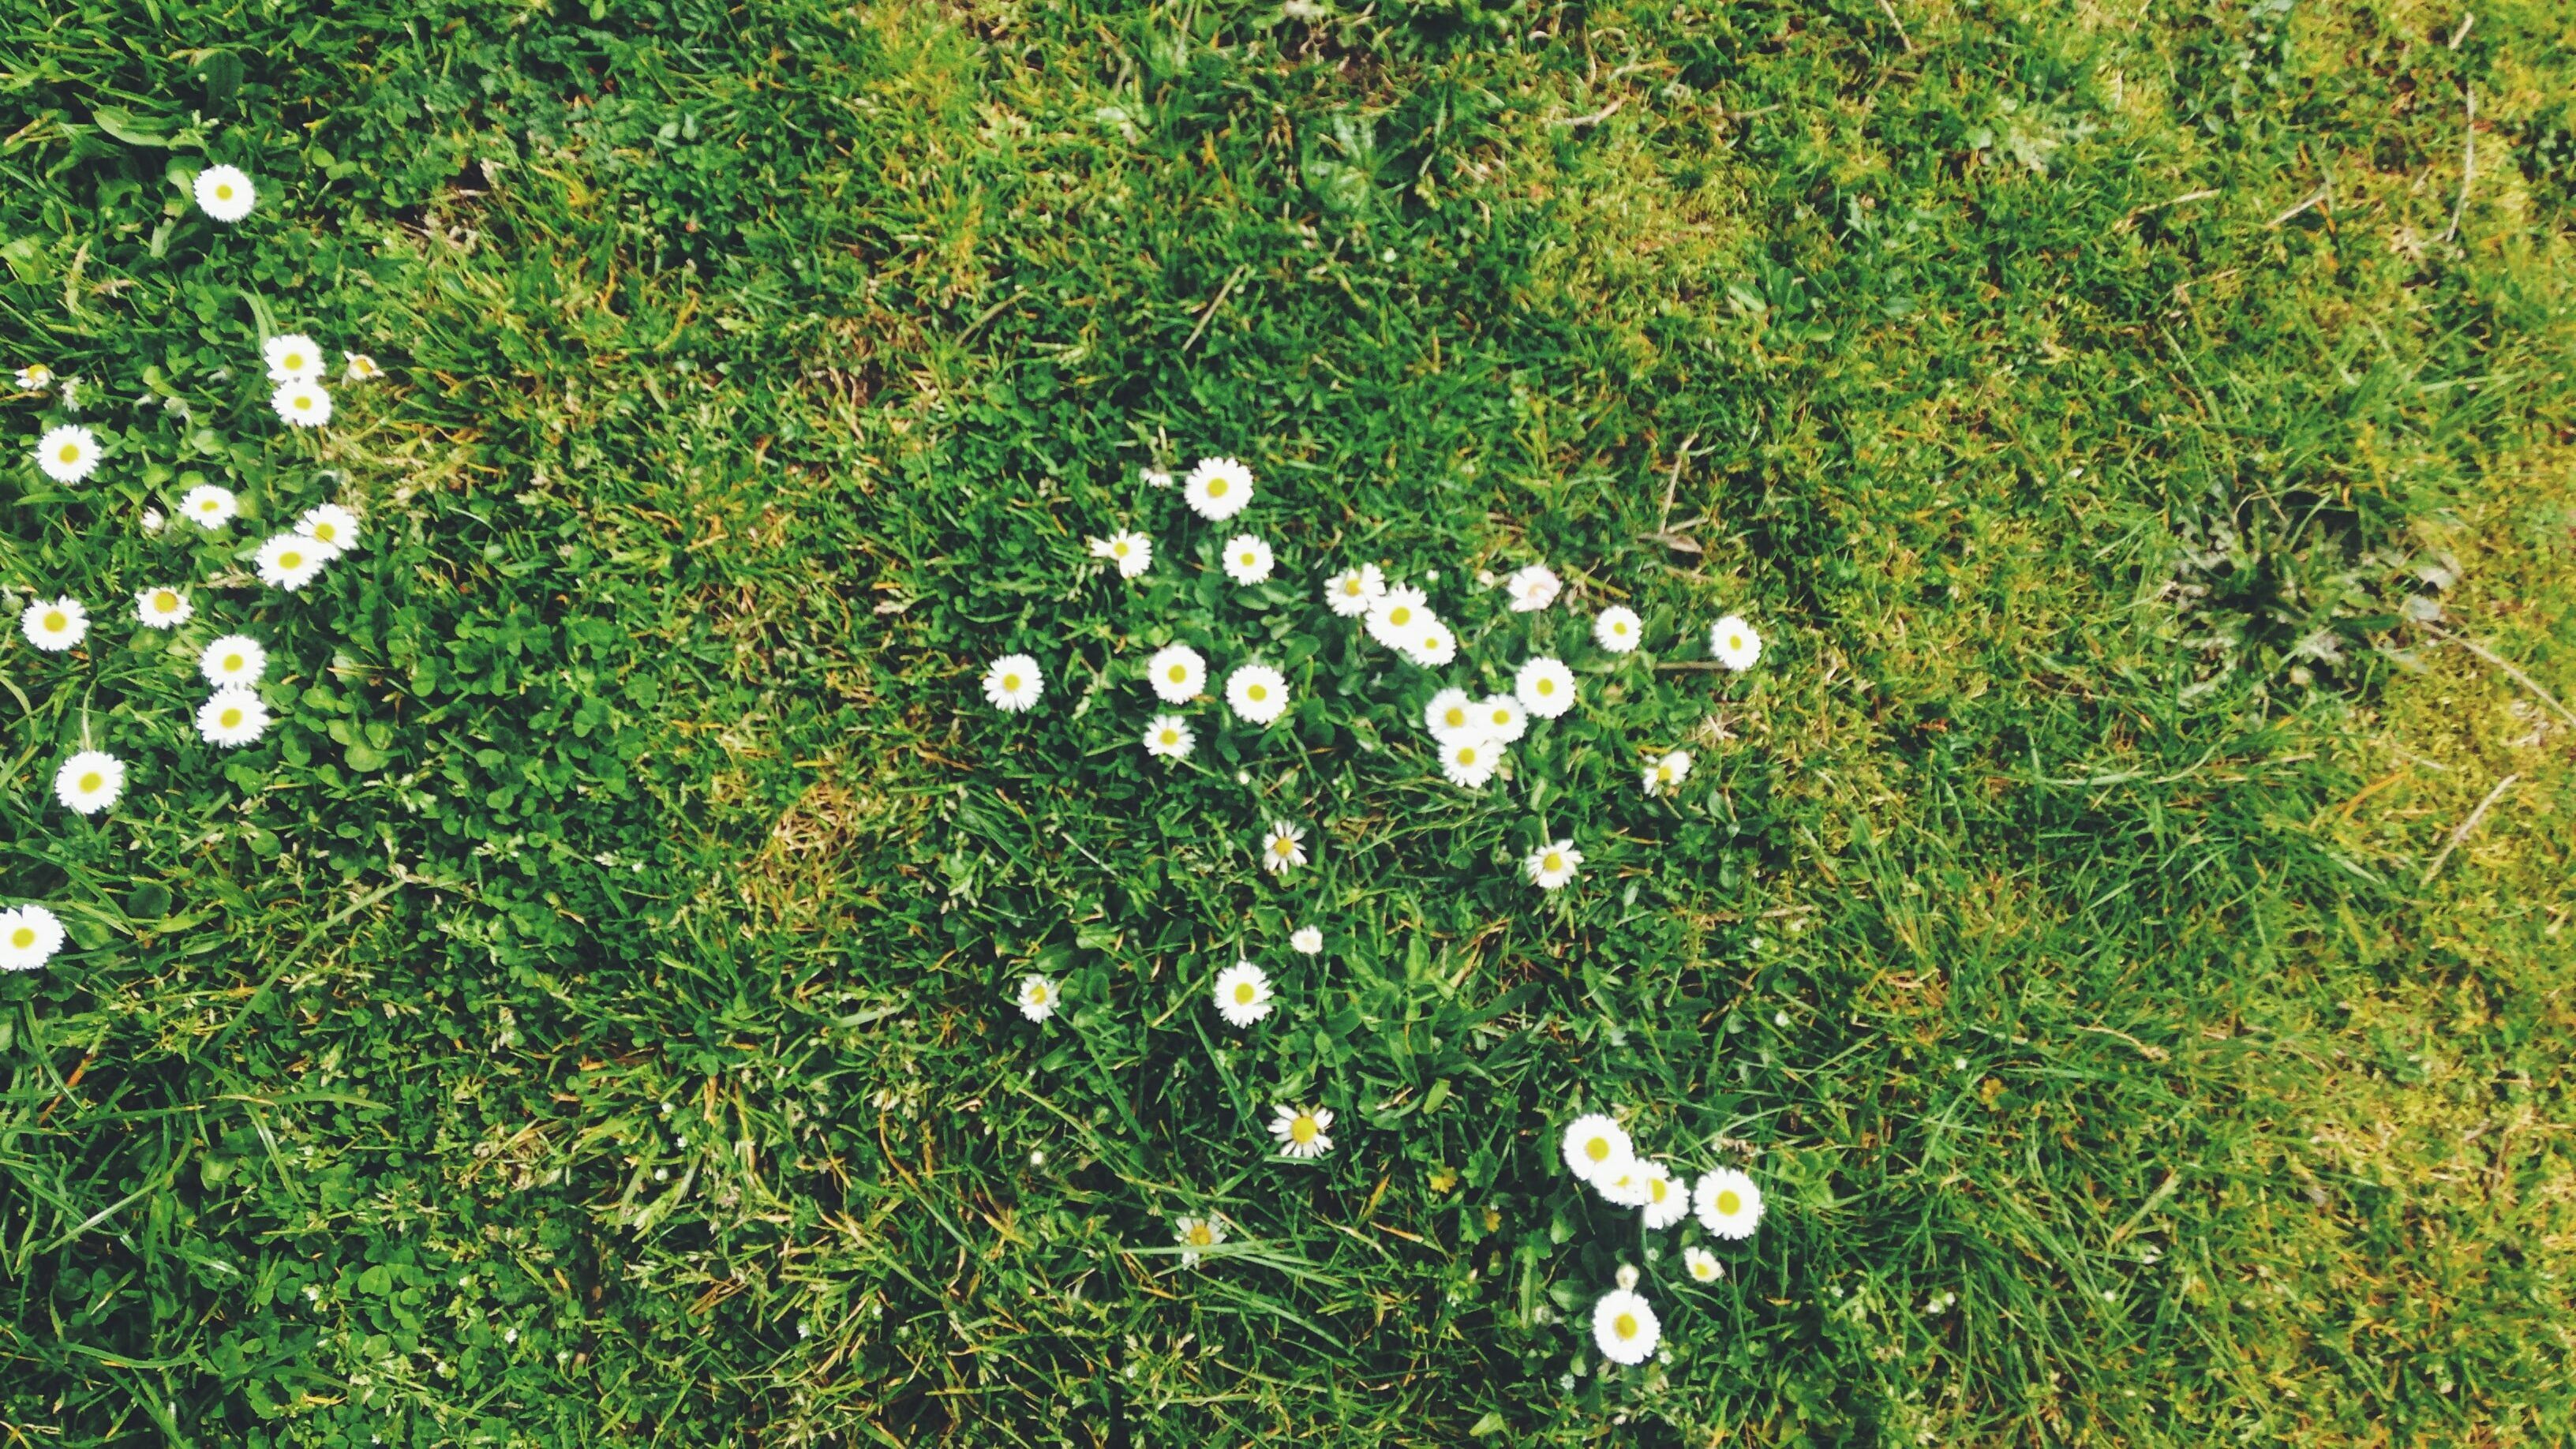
[(1469, 763), (1247, 559), (1595, 1145), (1037, 997), (1546, 686), (1176, 671), (54, 625), (1625, 1187), (1243, 993), (291, 560), (1501, 718), (1432, 645), (1397, 615), (1168, 737), (224, 193), (292, 358), (1618, 629), (1703, 1264), (330, 523), (1132, 552), (1352, 591), (29, 937), (1728, 1203), (1257, 693), (89, 782), (1551, 866), (235, 659), (1667, 1200), (1217, 489), (1155, 477), (1532, 588), (153, 522), (1195, 1235), (208, 506), (1451, 716), (1668, 772), (35, 377), (68, 453), (305, 404), (1734, 643), (163, 608), (1280, 851), (362, 368), (1300, 1131), (1624, 1327), (1306, 940), (231, 718), (1013, 683)]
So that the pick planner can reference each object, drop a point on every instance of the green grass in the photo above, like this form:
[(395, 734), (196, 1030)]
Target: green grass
[(584, 1018)]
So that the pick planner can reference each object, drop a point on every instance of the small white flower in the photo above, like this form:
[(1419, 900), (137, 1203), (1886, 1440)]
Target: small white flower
[(1168, 737), (1257, 693), (1728, 1203), (1306, 940), (1667, 1198), (89, 782), (233, 659), (1545, 686), (1280, 850), (362, 368), (1432, 645), (1176, 671), (1217, 489), (1247, 559), (1398, 615), (153, 522), (1155, 477), (1196, 1235), (1618, 629), (54, 625), (231, 718), (1013, 683), (1301, 1131), (292, 357), (35, 377), (67, 454), (1451, 717), (224, 193), (305, 404), (1624, 1327), (289, 561), (1242, 993), (1703, 1264), (163, 608), (1532, 588), (1552, 865), (208, 506), (29, 937), (1668, 772), (1470, 763), (1037, 997), (1595, 1146), (1352, 591), (1502, 718), (1132, 552), (1734, 644), (330, 523)]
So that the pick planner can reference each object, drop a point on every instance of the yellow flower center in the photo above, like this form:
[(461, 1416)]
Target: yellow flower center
[(231, 718), (1257, 693), (208, 506), (88, 784), (1547, 686), (1466, 754), (1625, 1325), (1243, 993), (1455, 717), (164, 602), (1664, 772), (1734, 641), (328, 533), (1200, 1236), (1119, 549), (1010, 681), (291, 559), (1216, 488), (1283, 846), (294, 360), (1598, 1149), (1303, 1130), (1037, 995), (1171, 737), (232, 663), (1728, 1204), (1656, 1187), (223, 191), (1351, 588), (1245, 559), (1179, 672), (22, 938), (1399, 616), (55, 621), (1553, 861), (70, 453)]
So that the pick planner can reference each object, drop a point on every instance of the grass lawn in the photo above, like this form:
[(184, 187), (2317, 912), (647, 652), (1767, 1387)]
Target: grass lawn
[(2124, 923)]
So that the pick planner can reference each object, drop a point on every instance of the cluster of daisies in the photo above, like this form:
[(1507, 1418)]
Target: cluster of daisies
[(1728, 1204)]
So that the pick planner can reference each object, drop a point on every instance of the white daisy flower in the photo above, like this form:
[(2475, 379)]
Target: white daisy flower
[(1397, 616), (1013, 683), (35, 377), (1552, 865), (305, 404), (54, 625), (1037, 997), (1176, 671), (289, 561), (1433, 646), (1618, 629), (1280, 850), (29, 937), (1451, 716), (224, 193), (330, 523), (1352, 591), (1668, 772), (1595, 1146), (208, 506), (1196, 1235), (1242, 993), (1168, 737), (1217, 489), (1301, 1131), (292, 357), (232, 717), (1624, 1327), (1703, 1264), (1155, 477), (1257, 693), (1667, 1197), (1734, 644), (233, 659), (1545, 686), (89, 782), (1132, 552), (1625, 1187), (1501, 718), (1306, 940), (1532, 588), (1728, 1203), (153, 522), (163, 608), (1247, 559), (361, 368), (67, 454), (1470, 763)]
